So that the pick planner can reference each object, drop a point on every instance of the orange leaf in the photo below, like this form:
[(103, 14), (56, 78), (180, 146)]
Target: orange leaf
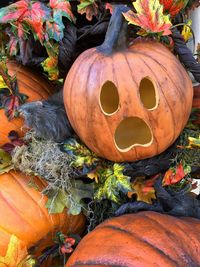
[(149, 17)]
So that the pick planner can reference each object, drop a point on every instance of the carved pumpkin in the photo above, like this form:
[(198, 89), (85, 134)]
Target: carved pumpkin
[(131, 104), (23, 213), (30, 84), (143, 239)]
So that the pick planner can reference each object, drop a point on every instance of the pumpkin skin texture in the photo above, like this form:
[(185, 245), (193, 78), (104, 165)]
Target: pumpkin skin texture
[(196, 98), (143, 239), (129, 105), (23, 213), (30, 84)]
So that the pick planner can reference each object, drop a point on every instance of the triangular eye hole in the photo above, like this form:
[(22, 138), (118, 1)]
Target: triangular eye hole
[(148, 93), (109, 98)]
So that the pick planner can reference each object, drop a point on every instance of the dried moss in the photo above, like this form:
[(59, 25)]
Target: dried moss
[(43, 158)]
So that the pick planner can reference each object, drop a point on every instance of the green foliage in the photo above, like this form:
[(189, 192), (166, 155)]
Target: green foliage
[(82, 157), (70, 198), (5, 162), (112, 181)]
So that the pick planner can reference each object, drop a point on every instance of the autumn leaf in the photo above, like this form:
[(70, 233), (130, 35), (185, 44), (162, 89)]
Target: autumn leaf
[(186, 32), (89, 7), (175, 175), (173, 7), (55, 27), (149, 17), (2, 83), (194, 142), (29, 12), (144, 189), (16, 255), (109, 7), (5, 162)]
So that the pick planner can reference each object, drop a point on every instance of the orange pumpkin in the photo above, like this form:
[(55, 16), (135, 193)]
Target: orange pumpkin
[(196, 99), (30, 84), (143, 239), (23, 213), (128, 103)]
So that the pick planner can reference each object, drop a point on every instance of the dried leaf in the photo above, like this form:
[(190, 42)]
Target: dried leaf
[(149, 17), (89, 7), (16, 255)]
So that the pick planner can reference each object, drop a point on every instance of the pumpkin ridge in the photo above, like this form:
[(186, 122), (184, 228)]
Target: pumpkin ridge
[(92, 136), (153, 135), (14, 210), (29, 195), (72, 105), (138, 237), (160, 225), (114, 74), (29, 88), (166, 71), (162, 93)]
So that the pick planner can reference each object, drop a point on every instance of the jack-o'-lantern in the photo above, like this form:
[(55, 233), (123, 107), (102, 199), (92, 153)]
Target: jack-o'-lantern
[(130, 103)]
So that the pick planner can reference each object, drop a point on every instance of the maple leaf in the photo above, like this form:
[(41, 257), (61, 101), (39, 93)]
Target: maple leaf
[(149, 17), (16, 255), (25, 11), (89, 7), (144, 189), (173, 7), (55, 27)]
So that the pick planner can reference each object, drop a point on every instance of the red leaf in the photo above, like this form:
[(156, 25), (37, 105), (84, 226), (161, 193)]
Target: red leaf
[(62, 6), (173, 6), (109, 7), (149, 17), (27, 11), (174, 176), (11, 104)]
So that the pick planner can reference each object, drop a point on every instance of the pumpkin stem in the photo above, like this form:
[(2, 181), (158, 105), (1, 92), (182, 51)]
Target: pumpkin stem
[(116, 35)]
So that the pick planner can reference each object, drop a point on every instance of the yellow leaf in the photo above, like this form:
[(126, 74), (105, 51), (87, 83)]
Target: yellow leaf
[(93, 175), (2, 83), (186, 32), (16, 255), (194, 142)]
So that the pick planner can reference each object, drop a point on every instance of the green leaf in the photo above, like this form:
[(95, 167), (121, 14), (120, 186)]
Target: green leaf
[(60, 199), (81, 155), (5, 162), (112, 182), (89, 7), (56, 201)]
